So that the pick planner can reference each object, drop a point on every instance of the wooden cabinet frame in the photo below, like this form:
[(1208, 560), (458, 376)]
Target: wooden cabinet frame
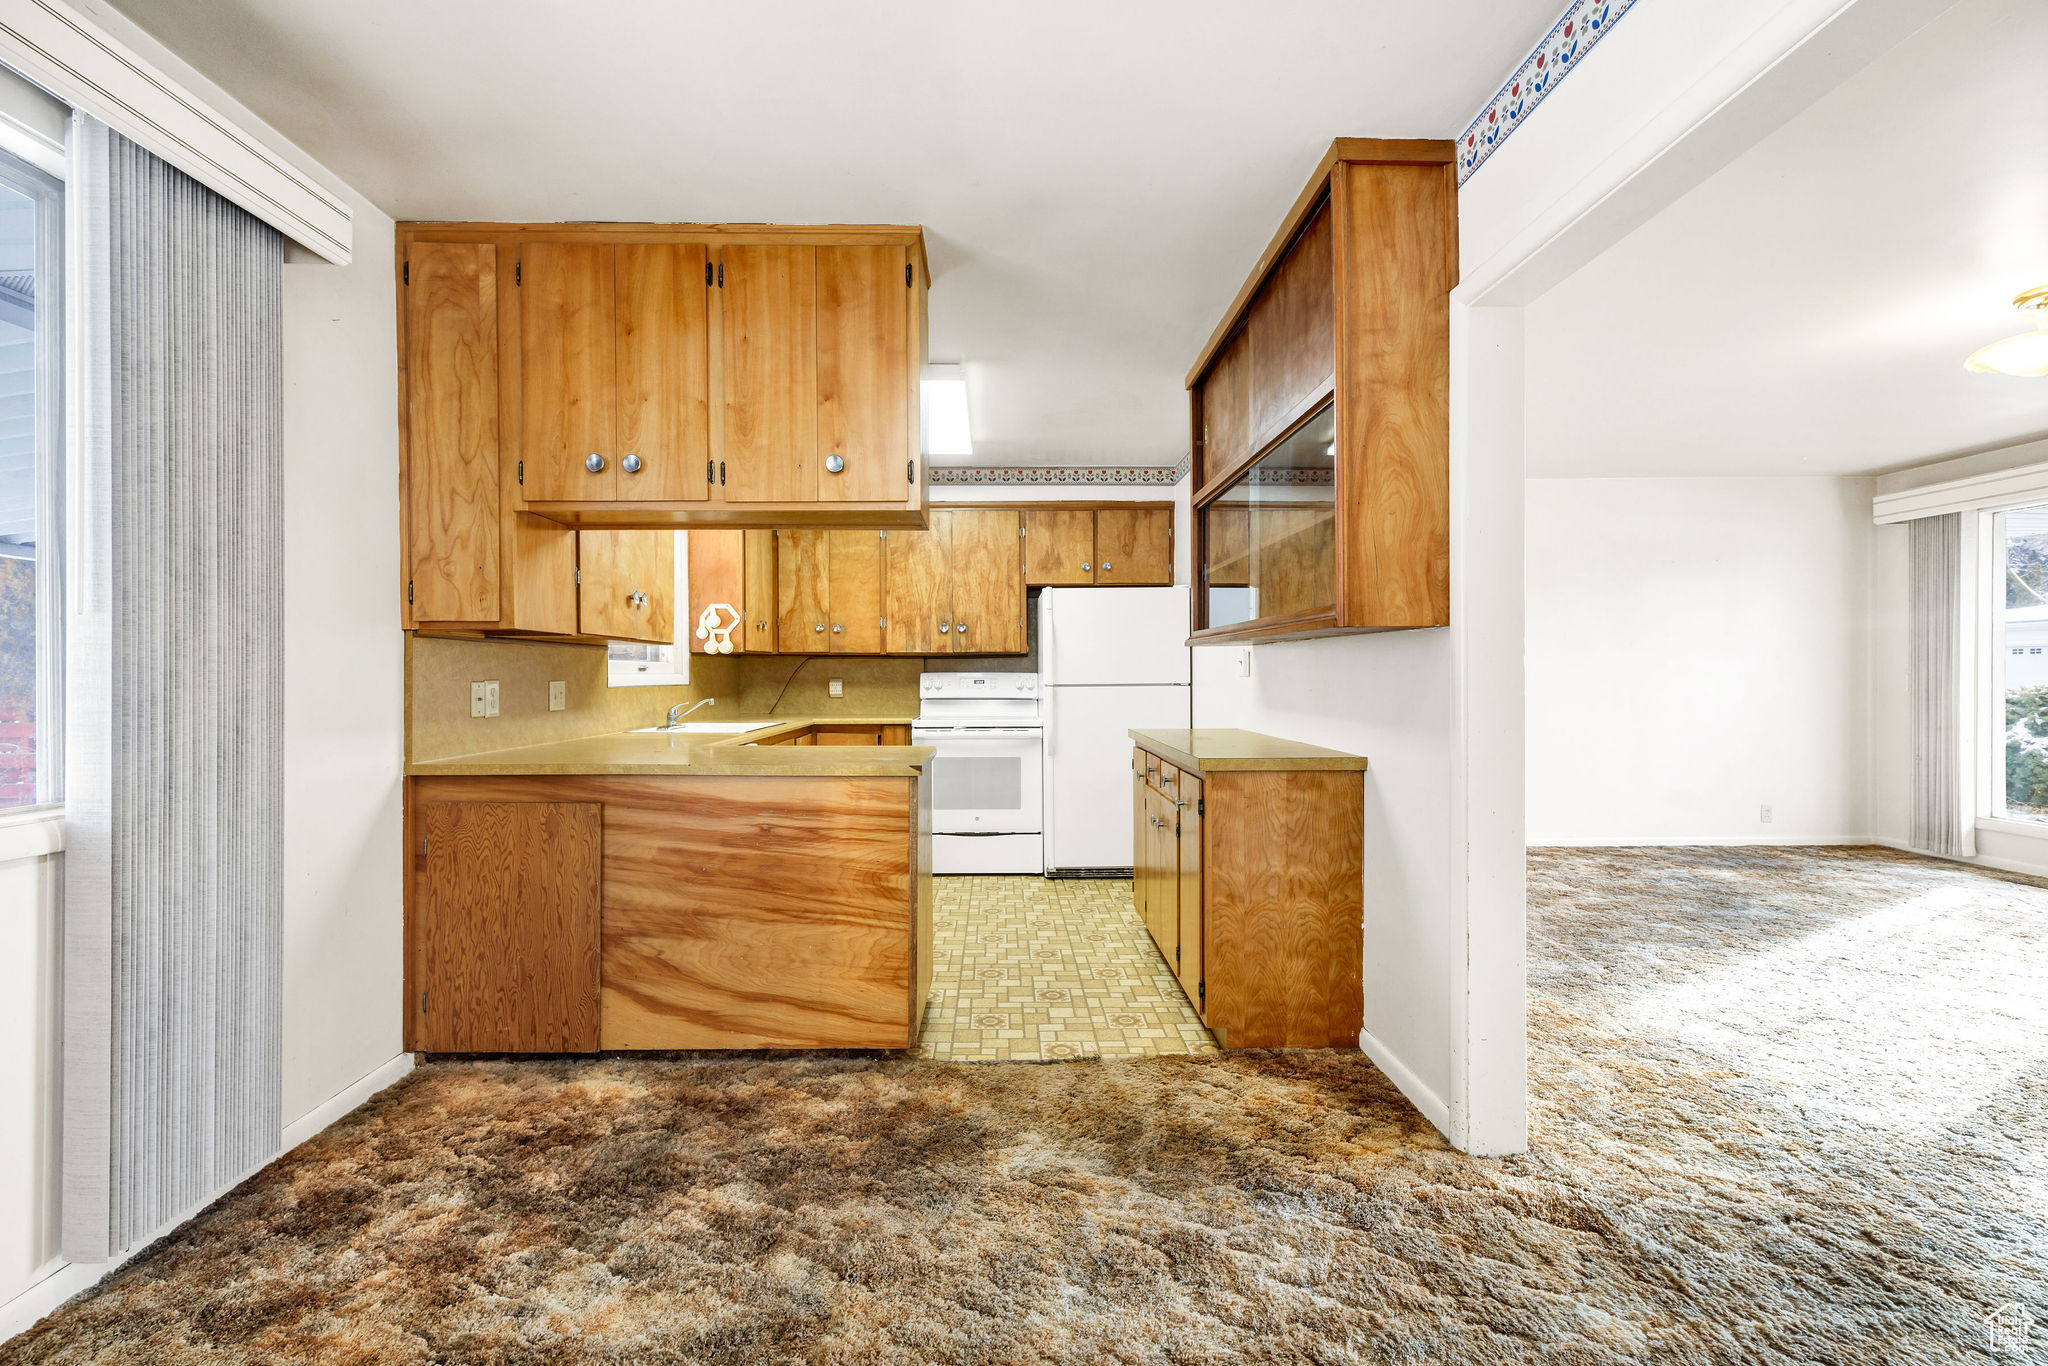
[(1389, 209), (716, 510)]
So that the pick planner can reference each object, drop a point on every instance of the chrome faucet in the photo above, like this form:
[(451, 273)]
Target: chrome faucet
[(674, 719)]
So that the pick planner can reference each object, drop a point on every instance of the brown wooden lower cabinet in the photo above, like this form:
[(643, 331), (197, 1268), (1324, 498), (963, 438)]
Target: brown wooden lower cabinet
[(570, 913), (1250, 881)]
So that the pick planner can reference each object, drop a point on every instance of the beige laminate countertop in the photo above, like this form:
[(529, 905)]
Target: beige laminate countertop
[(1241, 751), (704, 756)]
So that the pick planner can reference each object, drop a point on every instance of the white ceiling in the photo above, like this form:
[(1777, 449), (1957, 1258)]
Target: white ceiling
[(1095, 179), (1807, 309)]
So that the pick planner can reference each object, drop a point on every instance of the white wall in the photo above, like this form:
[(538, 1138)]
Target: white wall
[(344, 687), (1697, 649)]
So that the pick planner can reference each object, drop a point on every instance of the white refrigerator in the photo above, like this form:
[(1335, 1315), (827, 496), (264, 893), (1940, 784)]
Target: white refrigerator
[(1109, 660)]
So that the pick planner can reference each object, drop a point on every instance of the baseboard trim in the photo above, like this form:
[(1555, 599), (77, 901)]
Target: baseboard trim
[(324, 1114), (1406, 1082), (2003, 865), (70, 1279), (1714, 841)]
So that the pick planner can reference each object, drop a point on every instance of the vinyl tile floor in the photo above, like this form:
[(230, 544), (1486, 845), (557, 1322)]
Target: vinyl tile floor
[(1031, 969)]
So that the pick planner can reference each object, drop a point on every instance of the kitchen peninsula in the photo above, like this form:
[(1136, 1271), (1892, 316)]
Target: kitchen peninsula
[(672, 890)]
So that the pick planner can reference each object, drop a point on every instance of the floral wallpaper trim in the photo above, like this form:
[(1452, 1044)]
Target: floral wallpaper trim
[(1585, 23), (1060, 474)]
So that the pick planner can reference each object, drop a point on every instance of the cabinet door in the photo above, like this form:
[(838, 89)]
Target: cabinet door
[(865, 398), (1141, 844), (855, 560), (1293, 319), (627, 588), (504, 927), (1134, 546), (802, 591), (1059, 547), (1227, 408), (568, 374), (1230, 545), (451, 456), (1187, 963), (664, 384), (770, 374), (918, 589), (988, 582), (761, 605), (718, 574)]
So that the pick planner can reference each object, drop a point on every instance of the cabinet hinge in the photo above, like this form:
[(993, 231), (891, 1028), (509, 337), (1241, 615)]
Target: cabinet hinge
[(906, 276), (721, 474), (1020, 532), (408, 272), (1202, 990), (710, 467), (1176, 955), (910, 471), (1201, 806), (884, 623), (707, 275), (721, 275), (518, 273), (522, 474), (408, 592), (579, 575), (423, 1003)]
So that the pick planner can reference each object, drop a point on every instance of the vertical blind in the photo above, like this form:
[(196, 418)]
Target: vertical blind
[(173, 880)]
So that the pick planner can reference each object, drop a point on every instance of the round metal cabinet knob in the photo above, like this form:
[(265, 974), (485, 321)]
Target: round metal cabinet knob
[(631, 465), (819, 627), (944, 628), (835, 630), (1107, 566), (1087, 568), (961, 627), (834, 464), (594, 463)]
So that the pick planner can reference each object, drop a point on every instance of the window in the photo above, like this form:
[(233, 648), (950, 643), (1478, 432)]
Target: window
[(2019, 686), (633, 665), (31, 365)]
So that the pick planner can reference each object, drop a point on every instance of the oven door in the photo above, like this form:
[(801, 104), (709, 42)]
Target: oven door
[(986, 780)]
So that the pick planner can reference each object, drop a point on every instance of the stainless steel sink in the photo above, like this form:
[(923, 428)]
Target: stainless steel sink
[(705, 728)]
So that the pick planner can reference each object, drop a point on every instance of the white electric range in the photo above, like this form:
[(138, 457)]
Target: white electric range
[(988, 772)]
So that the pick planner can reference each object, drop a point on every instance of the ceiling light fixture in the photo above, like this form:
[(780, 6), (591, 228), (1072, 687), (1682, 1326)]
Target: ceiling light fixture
[(942, 401), (2026, 354)]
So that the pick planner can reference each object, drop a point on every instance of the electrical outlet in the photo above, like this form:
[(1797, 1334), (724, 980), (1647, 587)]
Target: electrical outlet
[(491, 697), (558, 695), (476, 700), (836, 687), (1763, 813)]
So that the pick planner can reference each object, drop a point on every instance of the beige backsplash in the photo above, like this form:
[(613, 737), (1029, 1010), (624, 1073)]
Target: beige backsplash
[(440, 669)]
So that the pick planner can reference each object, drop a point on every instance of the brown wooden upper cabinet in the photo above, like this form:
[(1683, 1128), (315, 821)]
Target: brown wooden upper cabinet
[(957, 587), (625, 585), (1070, 547), (640, 376), (1320, 410), (736, 568), (829, 591)]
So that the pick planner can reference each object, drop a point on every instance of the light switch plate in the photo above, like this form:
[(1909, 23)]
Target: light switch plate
[(477, 700), (1244, 662), (491, 697), (836, 687), (558, 695)]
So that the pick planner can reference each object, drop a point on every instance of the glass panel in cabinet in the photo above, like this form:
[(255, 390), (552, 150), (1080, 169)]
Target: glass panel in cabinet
[(1272, 536)]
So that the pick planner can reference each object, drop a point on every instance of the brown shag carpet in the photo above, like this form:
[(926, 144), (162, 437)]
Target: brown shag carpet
[(1789, 1106)]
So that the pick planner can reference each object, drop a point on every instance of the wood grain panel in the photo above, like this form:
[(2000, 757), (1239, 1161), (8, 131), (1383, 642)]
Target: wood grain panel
[(1059, 547), (760, 913), (718, 573), (770, 374), (847, 735), (1394, 273), (1283, 901), (1292, 325), (855, 560), (894, 735), (1134, 546), (863, 338), (762, 607), (917, 582), (664, 372), (569, 379), (802, 589), (1226, 407), (613, 566), (504, 927), (451, 363), (543, 576), (988, 581), (1230, 545), (1187, 962), (1294, 559)]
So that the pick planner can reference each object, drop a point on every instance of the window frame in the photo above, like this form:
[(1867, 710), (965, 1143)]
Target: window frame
[(47, 191)]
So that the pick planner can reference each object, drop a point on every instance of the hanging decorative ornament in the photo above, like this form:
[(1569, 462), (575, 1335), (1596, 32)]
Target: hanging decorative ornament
[(717, 639)]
